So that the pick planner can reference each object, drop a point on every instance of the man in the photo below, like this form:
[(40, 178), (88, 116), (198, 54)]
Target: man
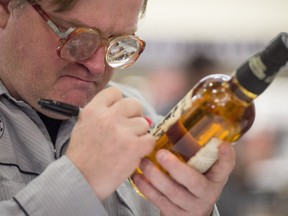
[(40, 174)]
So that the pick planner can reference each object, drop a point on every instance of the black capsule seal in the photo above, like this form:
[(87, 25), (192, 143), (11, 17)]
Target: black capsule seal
[(259, 71)]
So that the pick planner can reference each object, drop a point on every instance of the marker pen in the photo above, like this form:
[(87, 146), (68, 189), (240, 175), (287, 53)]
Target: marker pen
[(60, 107)]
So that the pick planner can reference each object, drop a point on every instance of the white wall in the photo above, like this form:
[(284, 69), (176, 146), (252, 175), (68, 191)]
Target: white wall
[(220, 22), (214, 19)]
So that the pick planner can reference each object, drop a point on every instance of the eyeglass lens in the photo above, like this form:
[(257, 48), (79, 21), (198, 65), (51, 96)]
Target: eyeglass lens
[(80, 46), (121, 52)]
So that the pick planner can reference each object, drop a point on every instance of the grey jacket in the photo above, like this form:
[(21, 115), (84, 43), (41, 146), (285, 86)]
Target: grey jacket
[(36, 178)]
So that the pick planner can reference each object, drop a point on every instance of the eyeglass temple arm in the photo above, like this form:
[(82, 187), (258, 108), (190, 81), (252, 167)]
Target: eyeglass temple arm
[(47, 19)]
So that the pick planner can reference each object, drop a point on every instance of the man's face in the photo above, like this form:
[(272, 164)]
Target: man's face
[(29, 65)]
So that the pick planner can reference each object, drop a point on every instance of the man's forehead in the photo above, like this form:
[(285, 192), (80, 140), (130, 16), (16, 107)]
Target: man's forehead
[(100, 14), (63, 5), (58, 5)]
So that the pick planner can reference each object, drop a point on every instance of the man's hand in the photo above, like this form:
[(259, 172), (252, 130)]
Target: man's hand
[(109, 140), (185, 192)]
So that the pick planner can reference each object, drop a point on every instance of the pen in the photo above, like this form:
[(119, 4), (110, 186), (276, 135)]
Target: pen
[(67, 109), (60, 107)]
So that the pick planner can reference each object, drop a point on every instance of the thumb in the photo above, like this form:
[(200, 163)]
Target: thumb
[(221, 170)]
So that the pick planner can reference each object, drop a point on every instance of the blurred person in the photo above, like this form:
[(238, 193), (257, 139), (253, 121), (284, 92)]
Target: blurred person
[(168, 85), (246, 193), (200, 66), (54, 165)]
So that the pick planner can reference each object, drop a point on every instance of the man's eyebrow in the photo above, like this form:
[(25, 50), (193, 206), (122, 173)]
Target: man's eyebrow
[(67, 23)]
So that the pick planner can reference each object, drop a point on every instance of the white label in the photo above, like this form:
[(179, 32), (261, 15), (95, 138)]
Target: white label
[(206, 156), (173, 116)]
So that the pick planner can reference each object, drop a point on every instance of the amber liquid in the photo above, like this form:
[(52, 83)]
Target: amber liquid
[(215, 112), (219, 108)]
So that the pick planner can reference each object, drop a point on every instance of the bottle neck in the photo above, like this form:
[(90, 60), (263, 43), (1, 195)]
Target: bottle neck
[(260, 70), (239, 91)]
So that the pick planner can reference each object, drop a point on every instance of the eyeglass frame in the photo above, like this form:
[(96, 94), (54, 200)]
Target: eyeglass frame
[(64, 37)]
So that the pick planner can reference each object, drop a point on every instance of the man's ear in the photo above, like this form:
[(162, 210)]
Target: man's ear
[(4, 13)]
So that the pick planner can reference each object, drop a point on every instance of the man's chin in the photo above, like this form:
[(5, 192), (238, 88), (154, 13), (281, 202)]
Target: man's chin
[(77, 99), (75, 102)]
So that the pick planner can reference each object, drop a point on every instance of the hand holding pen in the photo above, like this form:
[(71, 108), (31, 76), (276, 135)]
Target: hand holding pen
[(108, 140), (67, 109)]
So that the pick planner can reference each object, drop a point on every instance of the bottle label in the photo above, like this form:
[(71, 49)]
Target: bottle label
[(173, 116), (206, 156), (259, 69)]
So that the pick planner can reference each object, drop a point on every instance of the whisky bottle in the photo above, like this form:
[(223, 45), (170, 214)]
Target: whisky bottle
[(219, 108)]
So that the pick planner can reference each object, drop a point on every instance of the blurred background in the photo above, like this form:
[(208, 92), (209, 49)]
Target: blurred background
[(189, 39)]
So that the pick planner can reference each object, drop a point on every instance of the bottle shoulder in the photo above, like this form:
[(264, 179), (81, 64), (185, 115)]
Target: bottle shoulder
[(221, 88)]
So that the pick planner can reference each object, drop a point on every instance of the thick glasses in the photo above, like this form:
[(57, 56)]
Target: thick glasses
[(78, 44)]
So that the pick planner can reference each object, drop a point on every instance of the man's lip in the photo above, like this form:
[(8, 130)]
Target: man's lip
[(78, 78)]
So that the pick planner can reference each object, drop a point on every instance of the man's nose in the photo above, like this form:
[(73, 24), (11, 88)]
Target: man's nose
[(96, 63)]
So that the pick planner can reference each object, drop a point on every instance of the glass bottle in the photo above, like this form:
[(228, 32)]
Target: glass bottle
[(219, 108)]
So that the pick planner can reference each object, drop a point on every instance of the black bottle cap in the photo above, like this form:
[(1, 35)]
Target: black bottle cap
[(260, 70)]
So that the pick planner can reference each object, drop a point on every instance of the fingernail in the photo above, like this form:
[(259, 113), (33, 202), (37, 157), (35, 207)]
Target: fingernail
[(149, 121), (161, 155), (136, 178), (144, 163)]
